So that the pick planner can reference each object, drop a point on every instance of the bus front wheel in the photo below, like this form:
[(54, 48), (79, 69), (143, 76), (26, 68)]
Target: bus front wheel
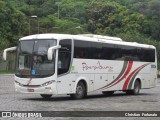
[(45, 96), (80, 91)]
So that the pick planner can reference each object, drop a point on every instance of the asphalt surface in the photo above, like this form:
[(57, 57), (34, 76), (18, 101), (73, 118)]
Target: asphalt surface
[(148, 100)]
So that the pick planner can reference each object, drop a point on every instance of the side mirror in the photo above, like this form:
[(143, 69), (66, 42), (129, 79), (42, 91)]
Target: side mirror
[(50, 51), (6, 50)]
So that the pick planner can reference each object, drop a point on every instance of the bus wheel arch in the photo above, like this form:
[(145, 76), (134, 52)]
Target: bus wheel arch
[(136, 87), (139, 80), (81, 90)]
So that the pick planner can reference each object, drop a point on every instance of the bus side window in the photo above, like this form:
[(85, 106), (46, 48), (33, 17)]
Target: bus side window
[(64, 56)]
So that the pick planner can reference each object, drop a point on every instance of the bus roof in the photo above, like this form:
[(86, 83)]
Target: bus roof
[(86, 37)]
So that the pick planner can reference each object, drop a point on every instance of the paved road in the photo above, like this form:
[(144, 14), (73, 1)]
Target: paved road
[(148, 100)]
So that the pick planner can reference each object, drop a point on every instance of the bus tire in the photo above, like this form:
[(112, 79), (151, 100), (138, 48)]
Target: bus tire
[(136, 89), (80, 91), (109, 93), (46, 96)]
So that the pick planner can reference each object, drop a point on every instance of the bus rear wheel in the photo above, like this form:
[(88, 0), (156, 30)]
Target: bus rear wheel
[(80, 91), (46, 96), (135, 90)]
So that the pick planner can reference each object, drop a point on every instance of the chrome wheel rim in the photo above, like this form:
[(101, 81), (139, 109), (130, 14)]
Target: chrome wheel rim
[(79, 90), (136, 87)]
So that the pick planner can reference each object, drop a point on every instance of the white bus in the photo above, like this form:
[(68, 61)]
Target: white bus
[(51, 64)]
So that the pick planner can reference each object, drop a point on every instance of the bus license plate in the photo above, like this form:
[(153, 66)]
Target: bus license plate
[(30, 90)]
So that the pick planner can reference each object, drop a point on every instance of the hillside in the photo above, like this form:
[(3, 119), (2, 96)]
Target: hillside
[(132, 20)]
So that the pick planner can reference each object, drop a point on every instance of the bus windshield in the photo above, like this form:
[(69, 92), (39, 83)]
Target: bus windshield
[(32, 58)]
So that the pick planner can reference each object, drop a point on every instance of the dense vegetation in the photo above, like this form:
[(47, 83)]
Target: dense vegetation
[(132, 20)]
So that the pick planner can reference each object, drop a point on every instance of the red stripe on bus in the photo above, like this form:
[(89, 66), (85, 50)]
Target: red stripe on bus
[(130, 63), (119, 76), (129, 78)]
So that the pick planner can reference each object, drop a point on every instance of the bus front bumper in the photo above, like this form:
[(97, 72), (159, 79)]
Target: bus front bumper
[(40, 90)]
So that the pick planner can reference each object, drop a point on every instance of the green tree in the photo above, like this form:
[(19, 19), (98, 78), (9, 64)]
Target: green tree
[(12, 25), (153, 14)]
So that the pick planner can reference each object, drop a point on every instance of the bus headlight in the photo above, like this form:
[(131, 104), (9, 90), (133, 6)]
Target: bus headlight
[(48, 83)]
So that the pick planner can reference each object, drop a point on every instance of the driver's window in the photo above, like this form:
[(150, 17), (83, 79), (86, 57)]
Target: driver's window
[(64, 56)]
